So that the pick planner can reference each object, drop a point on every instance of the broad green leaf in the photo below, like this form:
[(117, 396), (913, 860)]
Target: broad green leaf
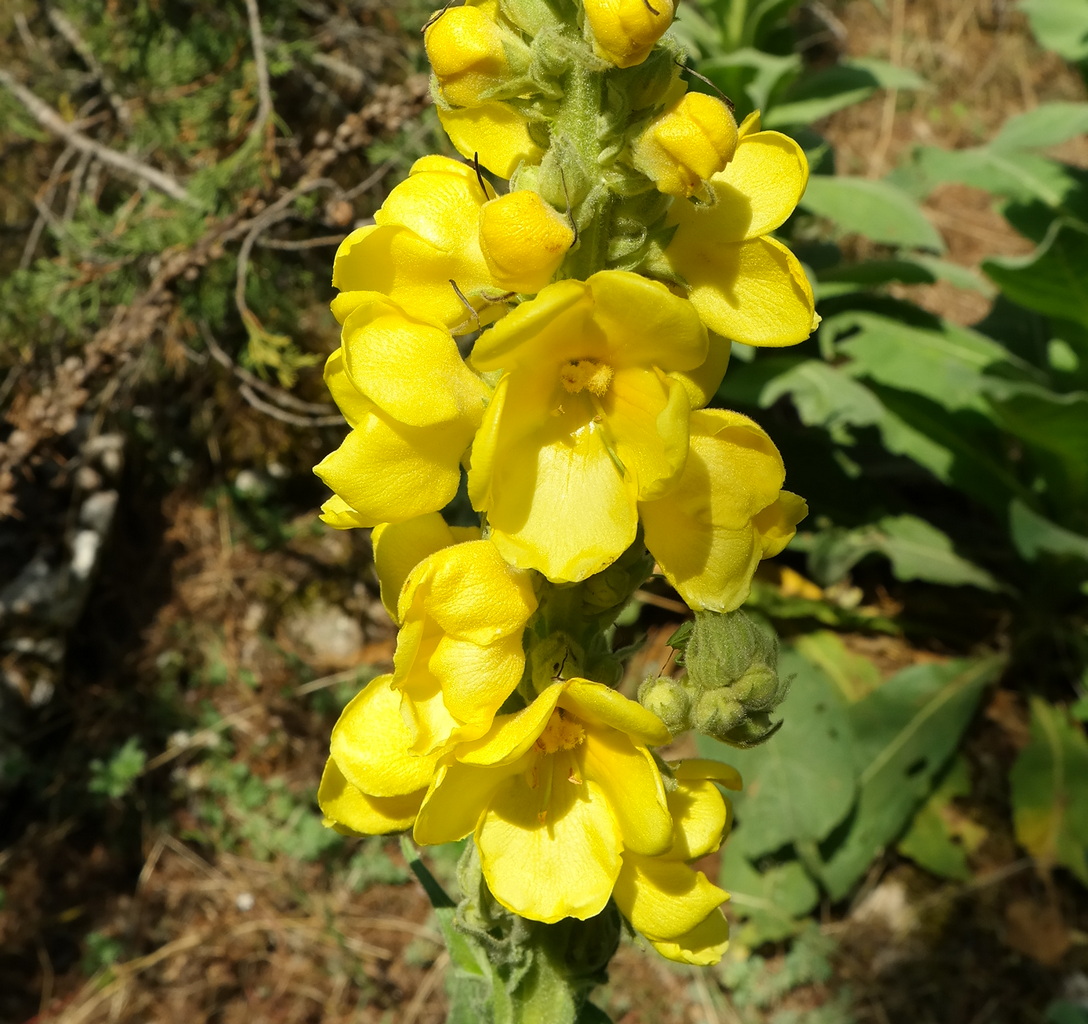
[(771, 901), (1049, 124), (958, 448), (1017, 174), (919, 551), (945, 365), (876, 272), (799, 784), (954, 274), (1033, 535), (823, 92), (904, 734), (916, 549), (1049, 791), (875, 209), (824, 397), (1052, 280), (767, 71), (1060, 25), (938, 838), (855, 675), (1057, 424)]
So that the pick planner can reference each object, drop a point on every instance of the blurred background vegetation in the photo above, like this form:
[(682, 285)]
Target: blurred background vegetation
[(178, 631)]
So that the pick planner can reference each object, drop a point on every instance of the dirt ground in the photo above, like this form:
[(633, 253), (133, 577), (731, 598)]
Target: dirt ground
[(210, 893)]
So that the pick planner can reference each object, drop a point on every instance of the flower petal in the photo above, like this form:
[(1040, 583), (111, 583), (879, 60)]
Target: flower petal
[(338, 514), (631, 782), (700, 814), (703, 382), (408, 368), (755, 193), (601, 705), (458, 796), (371, 740), (646, 414), (387, 472), (777, 523), (553, 850), (703, 531), (755, 292), (664, 899), (512, 735), (400, 547), (704, 945), (352, 812), (495, 132), (530, 475)]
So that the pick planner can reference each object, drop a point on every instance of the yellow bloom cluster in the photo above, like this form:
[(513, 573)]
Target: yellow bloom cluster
[(528, 341)]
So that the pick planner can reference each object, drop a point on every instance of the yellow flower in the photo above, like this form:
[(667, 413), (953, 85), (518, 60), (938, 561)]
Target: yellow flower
[(465, 48), (555, 795), (589, 417), (413, 407), (624, 31), (372, 783), (495, 133), (692, 140), (726, 512), (400, 547), (670, 903), (459, 653), (523, 240), (747, 286), (425, 235)]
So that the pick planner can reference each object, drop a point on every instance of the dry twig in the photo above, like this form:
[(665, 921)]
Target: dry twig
[(49, 119)]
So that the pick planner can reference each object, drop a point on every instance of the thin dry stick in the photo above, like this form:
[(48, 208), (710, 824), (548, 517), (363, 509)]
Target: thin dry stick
[(260, 60), (49, 119), (887, 125), (286, 417), (275, 394), (48, 192), (61, 23), (428, 985)]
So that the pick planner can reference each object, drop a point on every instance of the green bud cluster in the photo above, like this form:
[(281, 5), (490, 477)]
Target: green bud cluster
[(731, 686)]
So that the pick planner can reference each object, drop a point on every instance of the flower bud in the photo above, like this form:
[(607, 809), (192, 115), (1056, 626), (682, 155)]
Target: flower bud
[(523, 240), (693, 140), (466, 51), (625, 31), (669, 699), (733, 676)]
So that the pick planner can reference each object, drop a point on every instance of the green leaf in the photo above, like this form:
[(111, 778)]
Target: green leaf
[(823, 92), (919, 551), (855, 675), (1060, 25), (942, 364), (916, 549), (1017, 174), (799, 784), (904, 734), (876, 210), (1049, 124), (771, 901), (952, 446), (1034, 535), (824, 397), (930, 841), (1049, 795), (1054, 423), (1053, 279)]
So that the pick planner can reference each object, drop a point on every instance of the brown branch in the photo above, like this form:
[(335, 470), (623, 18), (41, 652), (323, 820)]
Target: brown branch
[(49, 119)]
